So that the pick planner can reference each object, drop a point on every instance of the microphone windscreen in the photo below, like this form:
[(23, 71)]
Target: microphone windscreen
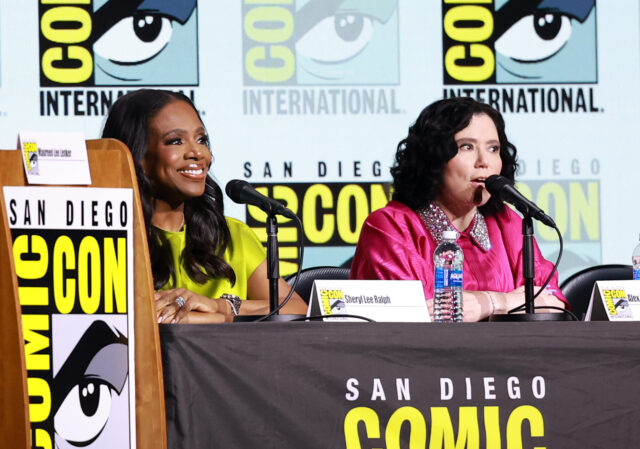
[(495, 183), (234, 187)]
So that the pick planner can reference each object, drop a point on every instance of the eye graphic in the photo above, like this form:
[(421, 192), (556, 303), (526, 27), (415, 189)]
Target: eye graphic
[(135, 39), (622, 305), (84, 411), (336, 38), (535, 37), (89, 387)]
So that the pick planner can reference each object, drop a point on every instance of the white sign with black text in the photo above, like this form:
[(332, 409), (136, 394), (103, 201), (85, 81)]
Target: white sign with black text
[(385, 301), (614, 301), (55, 158)]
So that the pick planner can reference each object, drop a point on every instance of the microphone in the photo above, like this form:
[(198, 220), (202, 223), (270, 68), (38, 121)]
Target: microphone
[(241, 192), (502, 188)]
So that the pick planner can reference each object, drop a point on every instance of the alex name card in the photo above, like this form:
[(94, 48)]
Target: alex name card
[(614, 301), (384, 301)]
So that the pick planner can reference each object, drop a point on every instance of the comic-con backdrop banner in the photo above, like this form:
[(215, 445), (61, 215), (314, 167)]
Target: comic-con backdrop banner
[(72, 249), (308, 99)]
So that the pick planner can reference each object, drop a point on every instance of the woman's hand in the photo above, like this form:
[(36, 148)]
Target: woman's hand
[(478, 305), (515, 298), (507, 301), (547, 298), (196, 308)]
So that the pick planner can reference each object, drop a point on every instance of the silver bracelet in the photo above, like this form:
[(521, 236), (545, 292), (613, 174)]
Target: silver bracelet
[(234, 301), (493, 304)]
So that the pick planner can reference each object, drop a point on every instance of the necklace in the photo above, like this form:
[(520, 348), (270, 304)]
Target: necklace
[(436, 222)]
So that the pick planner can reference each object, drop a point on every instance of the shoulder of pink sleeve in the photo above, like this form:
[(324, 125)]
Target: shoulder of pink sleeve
[(393, 223), (390, 245), (394, 214)]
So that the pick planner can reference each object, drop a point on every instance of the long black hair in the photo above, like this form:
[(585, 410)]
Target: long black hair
[(208, 234), (421, 156)]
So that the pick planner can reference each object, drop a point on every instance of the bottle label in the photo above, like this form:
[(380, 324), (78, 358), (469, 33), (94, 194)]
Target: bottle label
[(448, 278), (439, 281), (455, 278), (636, 274)]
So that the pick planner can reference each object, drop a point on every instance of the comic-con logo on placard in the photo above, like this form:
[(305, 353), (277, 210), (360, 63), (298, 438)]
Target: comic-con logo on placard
[(515, 42), (118, 43), (31, 157), (320, 43)]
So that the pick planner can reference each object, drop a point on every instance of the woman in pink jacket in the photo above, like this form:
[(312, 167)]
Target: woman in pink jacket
[(438, 184)]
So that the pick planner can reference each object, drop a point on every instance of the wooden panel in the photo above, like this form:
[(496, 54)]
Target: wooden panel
[(14, 412), (111, 165)]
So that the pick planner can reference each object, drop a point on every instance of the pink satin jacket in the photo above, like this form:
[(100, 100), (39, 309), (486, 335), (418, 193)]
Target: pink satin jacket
[(395, 244)]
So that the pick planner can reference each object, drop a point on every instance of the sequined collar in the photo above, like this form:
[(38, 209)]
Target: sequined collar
[(437, 222)]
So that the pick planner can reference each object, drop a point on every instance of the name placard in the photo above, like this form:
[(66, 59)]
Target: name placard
[(614, 301), (384, 301), (55, 158)]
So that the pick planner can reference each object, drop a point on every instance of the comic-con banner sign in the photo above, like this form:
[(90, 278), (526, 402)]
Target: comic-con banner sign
[(72, 249), (341, 81), (110, 43), (332, 216), (411, 386), (575, 206), (295, 52), (115, 43), (511, 42)]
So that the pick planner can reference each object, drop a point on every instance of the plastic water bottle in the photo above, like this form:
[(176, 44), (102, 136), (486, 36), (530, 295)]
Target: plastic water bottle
[(447, 294), (635, 260)]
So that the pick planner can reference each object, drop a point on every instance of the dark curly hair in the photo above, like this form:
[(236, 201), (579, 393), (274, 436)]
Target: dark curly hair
[(421, 156), (128, 120)]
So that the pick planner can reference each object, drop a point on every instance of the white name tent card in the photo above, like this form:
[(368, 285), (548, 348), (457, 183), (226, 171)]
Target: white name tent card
[(384, 301), (614, 301), (55, 158)]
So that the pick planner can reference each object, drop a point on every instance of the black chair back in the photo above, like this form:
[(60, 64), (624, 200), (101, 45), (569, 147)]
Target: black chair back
[(308, 275), (578, 287)]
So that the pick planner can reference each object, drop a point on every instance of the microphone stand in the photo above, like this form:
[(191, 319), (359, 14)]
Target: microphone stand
[(273, 264), (273, 274), (528, 268)]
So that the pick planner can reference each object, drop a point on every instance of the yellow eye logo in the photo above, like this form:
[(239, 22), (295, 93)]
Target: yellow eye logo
[(31, 156)]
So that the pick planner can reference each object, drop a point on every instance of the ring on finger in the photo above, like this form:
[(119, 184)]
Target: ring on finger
[(180, 301)]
